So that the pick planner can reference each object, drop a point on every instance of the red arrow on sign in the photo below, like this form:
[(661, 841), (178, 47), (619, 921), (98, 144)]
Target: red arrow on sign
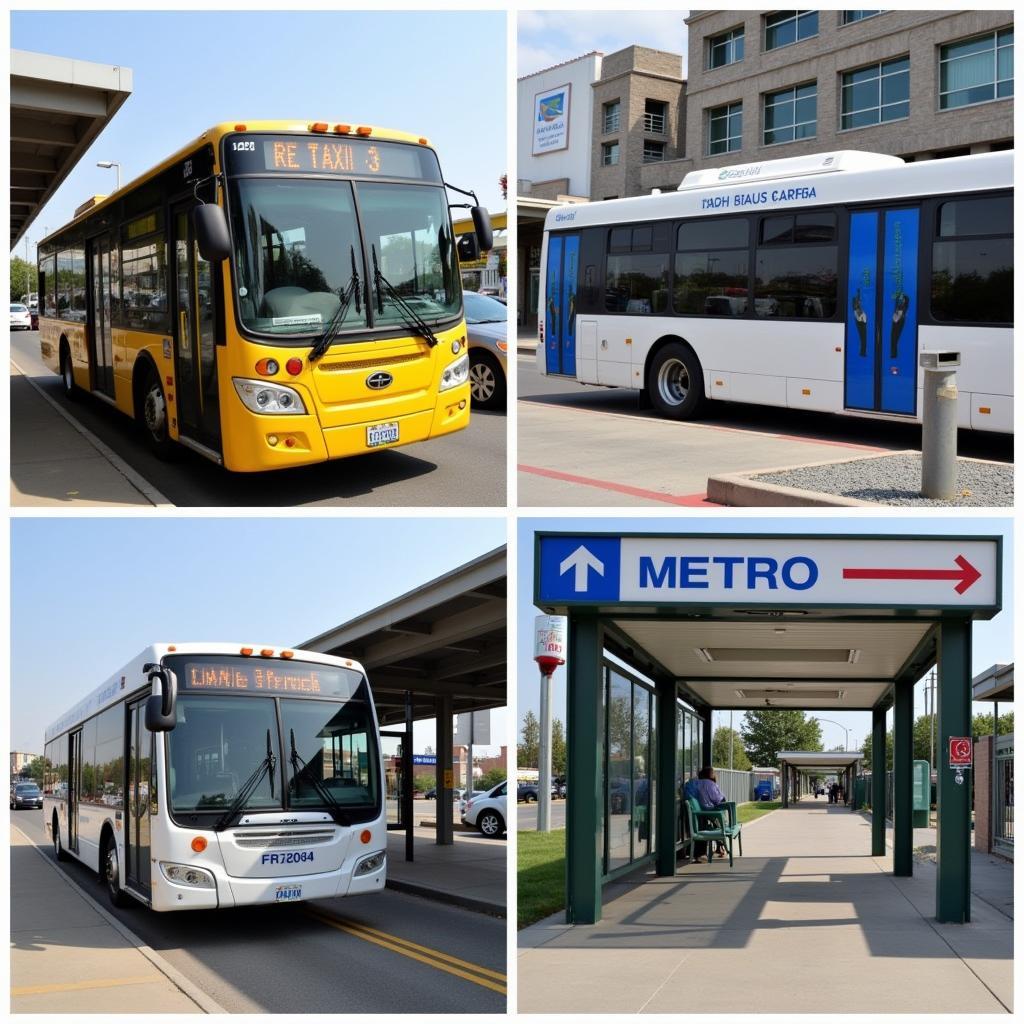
[(967, 575)]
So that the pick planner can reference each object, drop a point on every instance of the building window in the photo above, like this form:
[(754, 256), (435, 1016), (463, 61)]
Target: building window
[(976, 70), (972, 261), (655, 117), (785, 27), (791, 114), (610, 121), (796, 269), (725, 129), (725, 49), (653, 152), (609, 154), (712, 266), (849, 17), (877, 93)]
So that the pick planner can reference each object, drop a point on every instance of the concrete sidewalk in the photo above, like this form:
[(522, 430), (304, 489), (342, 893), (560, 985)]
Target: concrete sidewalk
[(806, 921), (55, 462), (470, 873), (69, 956), (526, 344)]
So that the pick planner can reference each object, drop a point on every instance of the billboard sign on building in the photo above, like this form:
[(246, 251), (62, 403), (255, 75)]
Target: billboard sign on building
[(551, 120)]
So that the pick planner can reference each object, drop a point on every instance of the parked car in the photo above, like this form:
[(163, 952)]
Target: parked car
[(21, 318), (488, 811), (26, 794), (527, 792), (487, 328), (431, 794)]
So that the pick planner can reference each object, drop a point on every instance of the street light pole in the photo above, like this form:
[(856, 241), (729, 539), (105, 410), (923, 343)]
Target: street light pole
[(846, 745), (107, 164)]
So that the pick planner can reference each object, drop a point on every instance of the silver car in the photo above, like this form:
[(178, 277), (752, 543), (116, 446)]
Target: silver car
[(487, 327)]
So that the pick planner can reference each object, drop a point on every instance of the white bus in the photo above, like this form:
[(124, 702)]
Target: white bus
[(808, 283), (221, 775)]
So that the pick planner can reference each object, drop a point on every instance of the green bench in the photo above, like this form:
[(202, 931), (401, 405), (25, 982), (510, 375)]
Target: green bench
[(727, 829)]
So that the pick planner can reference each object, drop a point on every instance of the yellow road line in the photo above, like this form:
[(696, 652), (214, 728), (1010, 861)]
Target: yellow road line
[(75, 986), (431, 957)]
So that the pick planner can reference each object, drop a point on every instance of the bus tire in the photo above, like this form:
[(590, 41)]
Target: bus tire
[(58, 847), (151, 412), (111, 873), (675, 382), (67, 373)]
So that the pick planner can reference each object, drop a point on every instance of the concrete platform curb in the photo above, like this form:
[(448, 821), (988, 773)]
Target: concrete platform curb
[(451, 898), (140, 483), (740, 489), (173, 975)]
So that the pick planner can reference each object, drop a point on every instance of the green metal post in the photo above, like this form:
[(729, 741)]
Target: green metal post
[(902, 791), (584, 851), (878, 782), (706, 737), (667, 785), (784, 779), (953, 840)]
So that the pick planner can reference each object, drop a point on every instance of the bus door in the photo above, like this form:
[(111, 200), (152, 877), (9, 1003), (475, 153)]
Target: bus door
[(195, 347), (74, 784), (101, 338), (560, 303), (881, 314), (140, 799)]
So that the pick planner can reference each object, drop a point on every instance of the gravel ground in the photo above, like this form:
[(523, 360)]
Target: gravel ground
[(896, 480)]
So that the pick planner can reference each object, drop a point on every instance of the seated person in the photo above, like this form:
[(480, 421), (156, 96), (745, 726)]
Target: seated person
[(709, 796)]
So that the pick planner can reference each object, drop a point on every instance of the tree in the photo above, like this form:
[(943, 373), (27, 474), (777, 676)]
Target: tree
[(528, 752), (982, 724), (490, 779), (558, 751), (720, 750), (18, 280), (765, 733)]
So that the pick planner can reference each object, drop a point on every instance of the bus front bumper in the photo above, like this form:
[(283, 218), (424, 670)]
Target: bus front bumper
[(242, 892)]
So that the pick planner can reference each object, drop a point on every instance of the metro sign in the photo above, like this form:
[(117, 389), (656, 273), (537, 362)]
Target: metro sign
[(941, 572)]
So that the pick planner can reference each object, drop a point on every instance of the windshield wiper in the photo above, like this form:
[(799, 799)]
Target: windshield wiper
[(269, 763), (338, 813), (333, 328), (413, 319)]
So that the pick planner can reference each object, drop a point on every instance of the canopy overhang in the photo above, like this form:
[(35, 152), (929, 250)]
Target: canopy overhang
[(820, 758)]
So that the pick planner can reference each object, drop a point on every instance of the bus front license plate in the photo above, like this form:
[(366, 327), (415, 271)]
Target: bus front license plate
[(288, 893), (382, 433)]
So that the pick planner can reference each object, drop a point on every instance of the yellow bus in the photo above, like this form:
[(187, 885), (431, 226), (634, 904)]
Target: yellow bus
[(274, 294)]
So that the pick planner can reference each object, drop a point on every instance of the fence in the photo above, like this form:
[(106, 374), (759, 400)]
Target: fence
[(738, 786), (1002, 796)]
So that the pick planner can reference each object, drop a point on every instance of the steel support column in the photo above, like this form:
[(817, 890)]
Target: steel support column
[(878, 782), (706, 737), (445, 748), (784, 778), (584, 846), (953, 816), (666, 787), (902, 776)]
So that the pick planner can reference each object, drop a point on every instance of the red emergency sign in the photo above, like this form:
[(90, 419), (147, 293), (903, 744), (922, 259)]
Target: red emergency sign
[(961, 752)]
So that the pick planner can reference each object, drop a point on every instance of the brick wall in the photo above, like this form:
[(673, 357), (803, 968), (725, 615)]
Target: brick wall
[(983, 793)]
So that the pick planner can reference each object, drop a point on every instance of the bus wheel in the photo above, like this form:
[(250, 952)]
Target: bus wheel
[(112, 875), (67, 373), (58, 847), (675, 382), (152, 412)]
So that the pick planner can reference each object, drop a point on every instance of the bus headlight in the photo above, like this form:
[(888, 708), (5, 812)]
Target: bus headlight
[(370, 864), (268, 399), (186, 874), (455, 373)]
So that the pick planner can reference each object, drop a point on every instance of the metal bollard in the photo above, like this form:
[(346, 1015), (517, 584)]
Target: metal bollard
[(938, 424)]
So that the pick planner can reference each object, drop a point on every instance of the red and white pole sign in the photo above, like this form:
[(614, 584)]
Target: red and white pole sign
[(961, 752), (549, 642)]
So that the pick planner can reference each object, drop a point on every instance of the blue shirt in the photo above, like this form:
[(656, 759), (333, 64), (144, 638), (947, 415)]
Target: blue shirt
[(709, 796)]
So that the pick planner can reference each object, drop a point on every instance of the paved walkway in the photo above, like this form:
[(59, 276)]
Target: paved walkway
[(470, 873), (70, 956), (758, 938)]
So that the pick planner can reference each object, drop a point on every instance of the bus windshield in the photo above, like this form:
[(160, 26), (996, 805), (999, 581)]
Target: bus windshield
[(298, 249)]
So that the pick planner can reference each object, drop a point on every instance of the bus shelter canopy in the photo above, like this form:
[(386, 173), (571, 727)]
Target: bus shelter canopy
[(821, 758)]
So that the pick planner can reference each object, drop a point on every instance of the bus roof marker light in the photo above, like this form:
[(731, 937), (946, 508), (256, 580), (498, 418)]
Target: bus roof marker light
[(343, 129), (363, 130), (423, 142), (172, 647), (267, 652), (287, 654), (198, 844), (240, 128), (246, 651), (318, 126), (365, 836)]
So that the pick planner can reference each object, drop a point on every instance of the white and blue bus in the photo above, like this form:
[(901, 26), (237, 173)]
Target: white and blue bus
[(807, 283), (221, 775)]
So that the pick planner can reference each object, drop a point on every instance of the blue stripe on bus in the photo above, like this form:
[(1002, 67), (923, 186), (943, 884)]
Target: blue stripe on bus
[(899, 312), (552, 300), (861, 314), (570, 276)]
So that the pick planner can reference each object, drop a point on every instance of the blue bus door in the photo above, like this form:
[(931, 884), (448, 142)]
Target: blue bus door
[(881, 314), (560, 304)]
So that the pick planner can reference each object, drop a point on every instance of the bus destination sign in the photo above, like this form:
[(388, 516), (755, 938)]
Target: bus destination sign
[(305, 154), (266, 677)]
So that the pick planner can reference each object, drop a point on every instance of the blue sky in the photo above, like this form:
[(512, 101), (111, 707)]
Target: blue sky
[(993, 639), (438, 74), (546, 38), (87, 594)]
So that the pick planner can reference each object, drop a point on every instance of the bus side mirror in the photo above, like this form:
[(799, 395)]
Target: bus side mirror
[(468, 248), (211, 227), (161, 707), (482, 224)]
